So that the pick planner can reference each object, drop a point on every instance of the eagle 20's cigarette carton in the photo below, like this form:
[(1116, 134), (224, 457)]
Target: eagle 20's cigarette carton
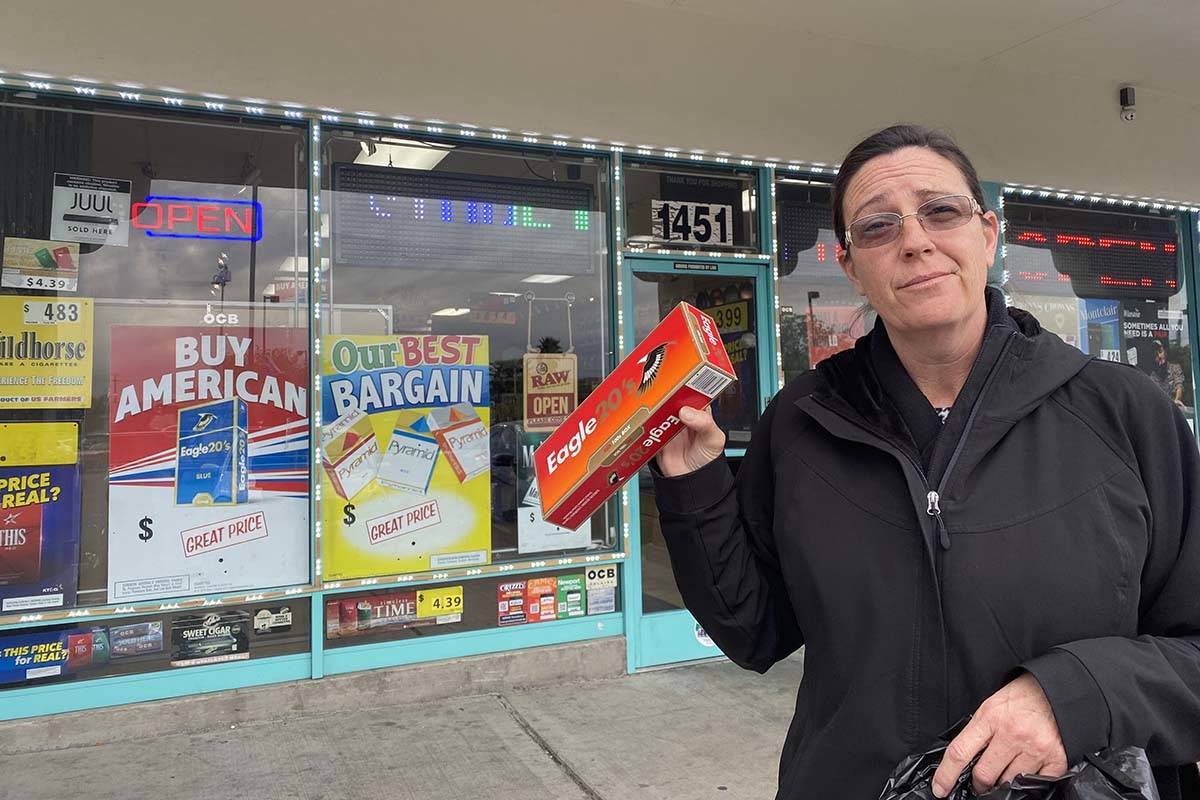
[(629, 417), (211, 457)]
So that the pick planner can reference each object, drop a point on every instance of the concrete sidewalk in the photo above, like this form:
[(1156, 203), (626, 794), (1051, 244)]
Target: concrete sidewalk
[(703, 731)]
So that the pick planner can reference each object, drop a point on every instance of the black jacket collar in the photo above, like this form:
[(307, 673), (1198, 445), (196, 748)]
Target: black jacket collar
[(868, 385), (924, 426)]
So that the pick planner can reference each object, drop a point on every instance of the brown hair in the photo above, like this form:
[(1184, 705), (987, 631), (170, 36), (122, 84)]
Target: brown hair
[(889, 140)]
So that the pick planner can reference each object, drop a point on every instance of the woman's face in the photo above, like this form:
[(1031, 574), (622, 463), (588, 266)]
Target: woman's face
[(921, 281)]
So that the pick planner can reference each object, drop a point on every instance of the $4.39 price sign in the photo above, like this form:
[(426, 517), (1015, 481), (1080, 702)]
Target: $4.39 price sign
[(698, 223), (50, 312), (437, 602)]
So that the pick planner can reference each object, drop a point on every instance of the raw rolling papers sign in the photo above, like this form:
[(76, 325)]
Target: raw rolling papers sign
[(405, 454), (551, 389), (208, 460)]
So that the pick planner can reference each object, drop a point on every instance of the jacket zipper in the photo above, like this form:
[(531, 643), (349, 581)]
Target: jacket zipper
[(935, 511), (934, 497)]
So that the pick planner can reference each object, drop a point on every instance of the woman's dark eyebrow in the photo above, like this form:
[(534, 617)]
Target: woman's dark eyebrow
[(873, 199), (923, 194)]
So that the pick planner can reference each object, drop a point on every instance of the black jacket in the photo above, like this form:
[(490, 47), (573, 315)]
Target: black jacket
[(1052, 526)]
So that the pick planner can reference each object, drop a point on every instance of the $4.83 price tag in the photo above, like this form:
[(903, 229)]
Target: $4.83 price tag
[(436, 602), (50, 312)]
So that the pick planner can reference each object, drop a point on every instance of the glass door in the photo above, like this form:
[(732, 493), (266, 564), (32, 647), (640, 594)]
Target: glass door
[(737, 296)]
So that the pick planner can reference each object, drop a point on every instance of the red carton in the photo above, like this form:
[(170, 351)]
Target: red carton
[(628, 418)]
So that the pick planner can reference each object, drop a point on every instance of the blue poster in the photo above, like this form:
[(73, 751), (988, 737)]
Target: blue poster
[(39, 515), (1100, 329), (51, 653), (33, 655)]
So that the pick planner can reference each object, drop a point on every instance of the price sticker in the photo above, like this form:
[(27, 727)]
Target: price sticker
[(731, 317), (50, 312), (436, 602), (46, 284)]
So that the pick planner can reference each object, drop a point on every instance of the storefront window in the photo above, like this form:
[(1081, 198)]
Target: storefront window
[(1110, 283), (689, 210), (396, 614), (821, 313), (465, 314), (82, 651), (154, 355)]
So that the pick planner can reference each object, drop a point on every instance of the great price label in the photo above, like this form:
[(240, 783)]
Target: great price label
[(226, 533), (404, 521)]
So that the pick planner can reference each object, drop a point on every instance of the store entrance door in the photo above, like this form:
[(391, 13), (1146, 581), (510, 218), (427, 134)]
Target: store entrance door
[(738, 295)]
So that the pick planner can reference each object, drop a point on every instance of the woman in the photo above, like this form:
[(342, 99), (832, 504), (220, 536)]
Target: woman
[(1166, 375), (961, 515)]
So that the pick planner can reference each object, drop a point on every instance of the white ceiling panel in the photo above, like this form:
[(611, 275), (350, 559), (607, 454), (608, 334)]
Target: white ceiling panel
[(1154, 44), (960, 29)]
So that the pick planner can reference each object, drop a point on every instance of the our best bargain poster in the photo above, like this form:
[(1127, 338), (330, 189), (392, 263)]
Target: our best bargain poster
[(39, 515), (406, 461), (208, 460)]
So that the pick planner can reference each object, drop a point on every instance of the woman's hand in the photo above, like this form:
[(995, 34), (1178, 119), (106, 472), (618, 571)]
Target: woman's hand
[(697, 444), (1016, 730)]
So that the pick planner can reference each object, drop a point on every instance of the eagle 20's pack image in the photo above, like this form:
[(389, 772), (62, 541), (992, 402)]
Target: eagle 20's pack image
[(630, 415)]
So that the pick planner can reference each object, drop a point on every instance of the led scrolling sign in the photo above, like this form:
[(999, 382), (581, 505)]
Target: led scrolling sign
[(1151, 280), (401, 218), (1091, 254)]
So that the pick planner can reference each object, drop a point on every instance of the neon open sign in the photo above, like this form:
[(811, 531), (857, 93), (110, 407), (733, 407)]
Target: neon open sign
[(199, 218)]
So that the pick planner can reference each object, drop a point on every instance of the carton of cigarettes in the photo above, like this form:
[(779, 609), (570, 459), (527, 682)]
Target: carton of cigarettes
[(630, 415), (350, 453), (409, 460), (463, 438), (211, 455)]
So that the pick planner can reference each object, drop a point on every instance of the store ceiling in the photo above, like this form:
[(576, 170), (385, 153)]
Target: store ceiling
[(1028, 86), (1152, 43)]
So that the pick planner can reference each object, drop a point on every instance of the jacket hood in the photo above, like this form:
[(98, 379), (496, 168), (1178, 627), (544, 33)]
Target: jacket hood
[(1032, 365)]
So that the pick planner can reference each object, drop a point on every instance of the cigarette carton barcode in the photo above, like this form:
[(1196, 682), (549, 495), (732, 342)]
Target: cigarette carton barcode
[(708, 382)]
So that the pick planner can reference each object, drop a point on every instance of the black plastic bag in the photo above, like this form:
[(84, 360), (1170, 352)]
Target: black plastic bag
[(1107, 775)]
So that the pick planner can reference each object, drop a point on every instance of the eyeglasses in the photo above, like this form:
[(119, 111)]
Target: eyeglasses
[(938, 214)]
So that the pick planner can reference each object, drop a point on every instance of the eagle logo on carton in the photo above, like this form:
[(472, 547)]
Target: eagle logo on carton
[(651, 366)]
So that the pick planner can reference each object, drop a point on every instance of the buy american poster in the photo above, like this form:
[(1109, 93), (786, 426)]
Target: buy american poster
[(406, 465), (208, 460)]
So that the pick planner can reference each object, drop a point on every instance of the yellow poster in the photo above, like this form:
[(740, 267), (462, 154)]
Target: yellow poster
[(45, 352), (405, 456)]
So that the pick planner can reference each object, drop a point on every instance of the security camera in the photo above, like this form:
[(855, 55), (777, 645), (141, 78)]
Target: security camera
[(1128, 112)]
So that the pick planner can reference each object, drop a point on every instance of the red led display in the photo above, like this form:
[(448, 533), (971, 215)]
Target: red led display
[(1061, 250)]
